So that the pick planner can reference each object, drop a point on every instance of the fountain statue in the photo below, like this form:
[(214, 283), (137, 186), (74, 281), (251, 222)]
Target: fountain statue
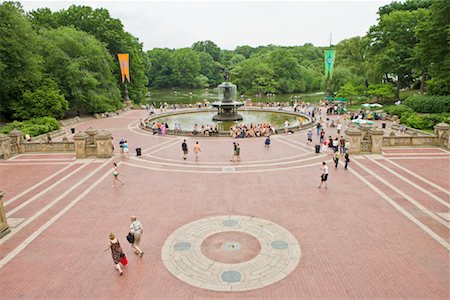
[(227, 107)]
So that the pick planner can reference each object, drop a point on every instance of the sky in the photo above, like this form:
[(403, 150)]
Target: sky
[(175, 24)]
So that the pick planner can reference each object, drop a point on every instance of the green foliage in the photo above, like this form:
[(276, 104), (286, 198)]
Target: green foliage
[(110, 31), (208, 47), (46, 100), (414, 121), (434, 36), (185, 67), (429, 104), (398, 110), (408, 5), (393, 41), (381, 91), (19, 64), (348, 91), (86, 80), (33, 127)]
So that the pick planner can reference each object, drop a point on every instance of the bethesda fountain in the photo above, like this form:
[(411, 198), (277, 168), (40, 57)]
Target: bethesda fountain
[(227, 105)]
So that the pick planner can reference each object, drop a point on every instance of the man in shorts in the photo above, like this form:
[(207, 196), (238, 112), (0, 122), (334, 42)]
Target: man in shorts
[(184, 147), (197, 151), (324, 176)]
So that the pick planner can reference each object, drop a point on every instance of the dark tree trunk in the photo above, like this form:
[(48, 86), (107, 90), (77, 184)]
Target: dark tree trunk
[(422, 81), (397, 89)]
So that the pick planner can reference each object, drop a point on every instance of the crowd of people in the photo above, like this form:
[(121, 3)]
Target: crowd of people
[(251, 130)]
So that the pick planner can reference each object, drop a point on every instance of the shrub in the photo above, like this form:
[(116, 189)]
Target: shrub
[(398, 110), (33, 127), (415, 121), (429, 104)]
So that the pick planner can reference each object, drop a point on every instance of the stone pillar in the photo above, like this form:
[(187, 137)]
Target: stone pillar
[(442, 132), (4, 228), (80, 140), (5, 146), (104, 145), (354, 136), (376, 134), (365, 128), (91, 132), (16, 137)]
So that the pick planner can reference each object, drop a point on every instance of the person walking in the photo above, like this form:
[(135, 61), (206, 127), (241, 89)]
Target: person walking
[(336, 159), (347, 160), (286, 126), (125, 150), (310, 135), (184, 147), (234, 157), (267, 142), (136, 231), (342, 145), (197, 151), (238, 152), (117, 253), (324, 175), (116, 175)]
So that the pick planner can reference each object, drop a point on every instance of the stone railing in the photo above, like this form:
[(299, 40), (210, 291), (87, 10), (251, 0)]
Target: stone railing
[(86, 144), (369, 139), (4, 228), (49, 147)]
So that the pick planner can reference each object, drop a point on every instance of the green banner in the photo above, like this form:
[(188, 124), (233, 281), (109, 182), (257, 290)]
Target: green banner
[(329, 62)]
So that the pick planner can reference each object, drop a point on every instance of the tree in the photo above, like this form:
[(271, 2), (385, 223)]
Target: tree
[(185, 68), (159, 68), (381, 91), (210, 69), (46, 100), (434, 46), (354, 54), (19, 64), (82, 67), (348, 90), (408, 5), (392, 42), (245, 51), (207, 47), (254, 76), (106, 29)]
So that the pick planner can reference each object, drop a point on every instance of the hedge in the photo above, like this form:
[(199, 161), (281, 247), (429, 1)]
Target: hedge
[(424, 121), (429, 104), (398, 110), (33, 127)]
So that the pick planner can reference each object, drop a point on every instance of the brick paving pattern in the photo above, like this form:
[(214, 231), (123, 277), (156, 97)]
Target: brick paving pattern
[(380, 231)]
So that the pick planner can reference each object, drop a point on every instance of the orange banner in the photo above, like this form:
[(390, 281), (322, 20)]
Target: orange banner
[(124, 66)]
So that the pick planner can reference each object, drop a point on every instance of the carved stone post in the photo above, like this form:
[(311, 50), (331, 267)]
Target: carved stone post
[(442, 132), (354, 136), (365, 128), (104, 145), (5, 146), (4, 228), (80, 139), (16, 137), (376, 135), (91, 132)]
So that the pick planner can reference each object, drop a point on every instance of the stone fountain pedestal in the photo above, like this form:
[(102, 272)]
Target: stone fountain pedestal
[(227, 108)]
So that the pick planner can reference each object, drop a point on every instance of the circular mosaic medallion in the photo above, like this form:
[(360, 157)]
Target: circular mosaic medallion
[(231, 253)]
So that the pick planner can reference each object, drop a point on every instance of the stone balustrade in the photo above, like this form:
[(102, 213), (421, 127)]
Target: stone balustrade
[(91, 143), (4, 228), (370, 139)]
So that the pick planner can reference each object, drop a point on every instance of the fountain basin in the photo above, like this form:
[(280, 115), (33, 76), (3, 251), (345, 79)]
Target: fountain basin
[(189, 117)]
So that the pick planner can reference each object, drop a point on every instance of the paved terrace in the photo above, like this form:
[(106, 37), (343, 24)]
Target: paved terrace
[(258, 229)]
